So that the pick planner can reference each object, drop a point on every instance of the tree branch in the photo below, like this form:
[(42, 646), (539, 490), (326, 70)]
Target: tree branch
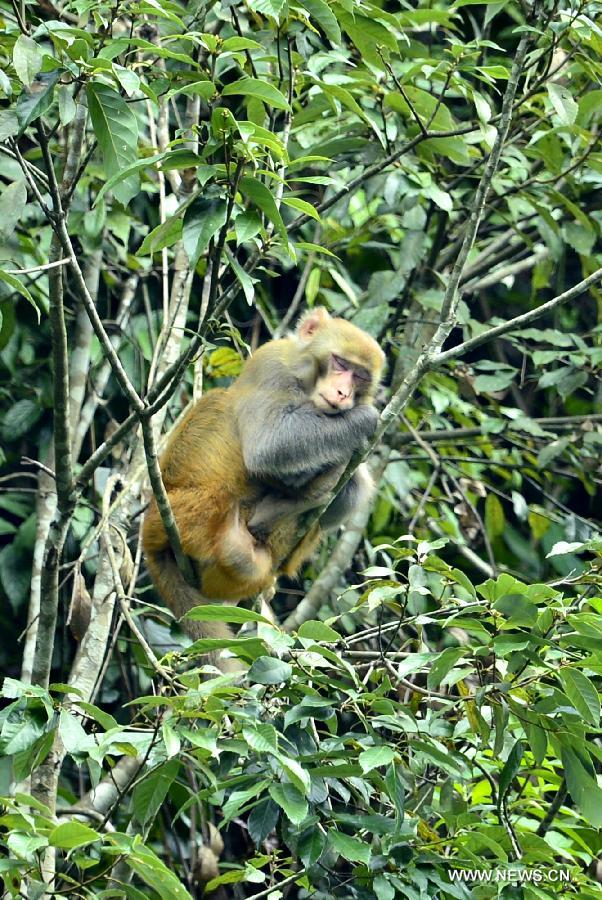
[(518, 321), (450, 435)]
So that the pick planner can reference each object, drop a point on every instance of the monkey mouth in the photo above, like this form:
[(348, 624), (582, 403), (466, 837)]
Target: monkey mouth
[(328, 403)]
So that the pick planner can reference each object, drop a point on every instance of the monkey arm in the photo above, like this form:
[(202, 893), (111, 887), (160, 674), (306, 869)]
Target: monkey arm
[(289, 444), (274, 507)]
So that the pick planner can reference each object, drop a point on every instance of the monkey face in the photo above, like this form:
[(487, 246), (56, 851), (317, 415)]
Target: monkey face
[(340, 385), (349, 361)]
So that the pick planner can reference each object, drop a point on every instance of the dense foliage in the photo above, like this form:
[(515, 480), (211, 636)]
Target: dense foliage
[(177, 182)]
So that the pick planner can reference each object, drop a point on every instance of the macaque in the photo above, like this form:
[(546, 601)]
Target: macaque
[(247, 461)]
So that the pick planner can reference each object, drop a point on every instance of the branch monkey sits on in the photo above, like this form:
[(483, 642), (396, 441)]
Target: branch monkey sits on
[(248, 460)]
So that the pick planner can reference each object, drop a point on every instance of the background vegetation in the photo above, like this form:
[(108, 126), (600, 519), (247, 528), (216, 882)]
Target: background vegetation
[(178, 181)]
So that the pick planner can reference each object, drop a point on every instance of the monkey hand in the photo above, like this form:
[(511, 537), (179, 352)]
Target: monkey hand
[(266, 515), (273, 509), (364, 419), (323, 484), (242, 549), (259, 531)]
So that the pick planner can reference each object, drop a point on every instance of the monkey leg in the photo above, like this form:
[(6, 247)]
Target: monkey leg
[(302, 551), (232, 565), (357, 492), (180, 597), (241, 567)]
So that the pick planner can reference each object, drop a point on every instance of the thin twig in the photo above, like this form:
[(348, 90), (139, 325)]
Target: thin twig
[(277, 886), (125, 608), (41, 268), (163, 505)]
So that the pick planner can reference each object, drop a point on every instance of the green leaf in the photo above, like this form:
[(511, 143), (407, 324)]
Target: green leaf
[(345, 98), (302, 206), (248, 648), (72, 733), (383, 889), (170, 159), (321, 13), (236, 614), (350, 848), (510, 770), (247, 225), (297, 774), (72, 834), (396, 791), (550, 451), (487, 384), (582, 784), (519, 610), (103, 718), (246, 282), (291, 800), (375, 757), (33, 104), (424, 104), (236, 44), (24, 846), (267, 670), (262, 820), (127, 78), (7, 527), (155, 874), (202, 221), (261, 90), (17, 421), (562, 101), (310, 708), (67, 105), (164, 235), (315, 248), (589, 106), (116, 129), (262, 738), (20, 288), (538, 741), (262, 197), (205, 89), (238, 799), (449, 762), (369, 36), (311, 846), (495, 520), (271, 8), (149, 794), (492, 73), (27, 59), (318, 631), (582, 694), (444, 662), (9, 123)]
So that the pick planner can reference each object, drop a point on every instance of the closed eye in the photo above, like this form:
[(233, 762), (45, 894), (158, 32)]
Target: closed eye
[(340, 364)]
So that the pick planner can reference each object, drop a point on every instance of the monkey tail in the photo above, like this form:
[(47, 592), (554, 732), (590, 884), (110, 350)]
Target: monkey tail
[(180, 597)]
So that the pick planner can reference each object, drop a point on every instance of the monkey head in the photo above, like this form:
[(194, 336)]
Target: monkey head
[(349, 362)]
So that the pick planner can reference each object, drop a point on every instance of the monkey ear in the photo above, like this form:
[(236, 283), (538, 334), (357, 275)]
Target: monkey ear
[(311, 322)]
